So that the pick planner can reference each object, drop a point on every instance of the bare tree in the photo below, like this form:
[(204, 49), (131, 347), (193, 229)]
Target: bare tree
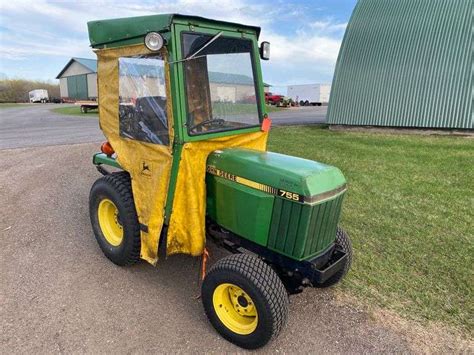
[(16, 90)]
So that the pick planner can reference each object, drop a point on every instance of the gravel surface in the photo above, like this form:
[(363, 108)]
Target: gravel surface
[(59, 294), (36, 125), (299, 116)]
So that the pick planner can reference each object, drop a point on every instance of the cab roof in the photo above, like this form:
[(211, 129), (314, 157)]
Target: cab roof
[(127, 30)]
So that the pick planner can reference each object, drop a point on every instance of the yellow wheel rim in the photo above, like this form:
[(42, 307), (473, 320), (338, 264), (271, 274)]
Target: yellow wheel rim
[(235, 309), (109, 222)]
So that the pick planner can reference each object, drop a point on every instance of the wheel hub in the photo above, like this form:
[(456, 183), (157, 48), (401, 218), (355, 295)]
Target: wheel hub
[(242, 301), (235, 309), (110, 223)]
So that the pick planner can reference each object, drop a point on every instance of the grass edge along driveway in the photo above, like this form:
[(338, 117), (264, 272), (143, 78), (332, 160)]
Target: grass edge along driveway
[(76, 110), (409, 212)]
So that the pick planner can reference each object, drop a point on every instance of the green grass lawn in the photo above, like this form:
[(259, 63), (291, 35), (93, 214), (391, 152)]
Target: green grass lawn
[(219, 108), (229, 109), (75, 111), (409, 212), (272, 108)]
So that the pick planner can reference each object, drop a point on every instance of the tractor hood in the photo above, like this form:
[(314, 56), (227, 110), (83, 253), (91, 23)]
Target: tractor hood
[(279, 172)]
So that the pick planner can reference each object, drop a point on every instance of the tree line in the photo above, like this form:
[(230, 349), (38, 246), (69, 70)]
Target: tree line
[(16, 90)]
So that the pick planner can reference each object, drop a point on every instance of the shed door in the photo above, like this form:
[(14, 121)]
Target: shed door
[(77, 87)]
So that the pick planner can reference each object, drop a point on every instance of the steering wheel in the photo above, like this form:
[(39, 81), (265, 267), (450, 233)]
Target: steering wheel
[(218, 121)]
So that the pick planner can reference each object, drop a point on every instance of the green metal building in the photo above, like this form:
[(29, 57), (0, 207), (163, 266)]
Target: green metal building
[(406, 63), (78, 79)]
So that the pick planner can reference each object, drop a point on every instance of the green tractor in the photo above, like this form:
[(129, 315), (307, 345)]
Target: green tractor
[(182, 107)]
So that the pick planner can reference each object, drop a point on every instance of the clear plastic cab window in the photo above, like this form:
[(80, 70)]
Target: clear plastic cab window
[(220, 83), (142, 99)]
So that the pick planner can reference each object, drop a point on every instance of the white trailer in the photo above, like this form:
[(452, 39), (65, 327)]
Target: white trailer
[(39, 95), (310, 94)]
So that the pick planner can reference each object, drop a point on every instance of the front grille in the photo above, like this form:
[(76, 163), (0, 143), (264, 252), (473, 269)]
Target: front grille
[(303, 231)]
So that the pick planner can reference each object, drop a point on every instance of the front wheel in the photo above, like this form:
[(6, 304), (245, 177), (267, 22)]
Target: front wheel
[(245, 300)]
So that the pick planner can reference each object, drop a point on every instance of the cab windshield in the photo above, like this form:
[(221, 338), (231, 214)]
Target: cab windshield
[(220, 83)]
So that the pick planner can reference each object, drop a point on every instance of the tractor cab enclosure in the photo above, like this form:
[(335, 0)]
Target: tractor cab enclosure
[(182, 106)]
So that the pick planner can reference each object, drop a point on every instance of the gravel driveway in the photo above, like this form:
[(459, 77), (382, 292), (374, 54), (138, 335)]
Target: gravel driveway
[(36, 125)]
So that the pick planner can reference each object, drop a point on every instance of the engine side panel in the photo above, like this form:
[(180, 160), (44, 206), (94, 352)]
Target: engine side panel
[(244, 211)]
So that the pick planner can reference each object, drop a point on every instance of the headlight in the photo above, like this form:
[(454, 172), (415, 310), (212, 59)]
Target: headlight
[(154, 41)]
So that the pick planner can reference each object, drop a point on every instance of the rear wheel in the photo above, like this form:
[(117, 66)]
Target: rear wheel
[(245, 300), (114, 219), (83, 109), (344, 243)]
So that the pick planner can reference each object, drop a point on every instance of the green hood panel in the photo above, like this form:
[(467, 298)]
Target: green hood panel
[(301, 176)]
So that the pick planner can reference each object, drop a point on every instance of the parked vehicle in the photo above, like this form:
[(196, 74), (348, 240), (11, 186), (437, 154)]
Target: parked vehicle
[(56, 100), (195, 170), (273, 99), (311, 94), (87, 105), (38, 95), (286, 102)]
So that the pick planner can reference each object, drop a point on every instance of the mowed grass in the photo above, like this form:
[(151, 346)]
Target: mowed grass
[(230, 109), (220, 108), (409, 212), (75, 111)]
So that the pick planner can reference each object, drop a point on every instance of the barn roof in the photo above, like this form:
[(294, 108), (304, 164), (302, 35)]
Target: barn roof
[(227, 78), (216, 77), (90, 64)]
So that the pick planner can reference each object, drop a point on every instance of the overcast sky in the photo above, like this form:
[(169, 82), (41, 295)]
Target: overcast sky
[(38, 37)]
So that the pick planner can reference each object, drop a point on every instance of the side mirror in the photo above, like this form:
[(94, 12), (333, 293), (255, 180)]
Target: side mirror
[(265, 50)]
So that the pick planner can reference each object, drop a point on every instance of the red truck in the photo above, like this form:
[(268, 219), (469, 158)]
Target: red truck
[(273, 99)]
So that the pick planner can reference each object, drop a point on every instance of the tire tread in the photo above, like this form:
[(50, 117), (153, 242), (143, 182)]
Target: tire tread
[(120, 182)]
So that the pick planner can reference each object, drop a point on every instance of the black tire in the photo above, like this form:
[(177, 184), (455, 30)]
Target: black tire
[(306, 103), (83, 109), (117, 188), (261, 284), (301, 103), (344, 242)]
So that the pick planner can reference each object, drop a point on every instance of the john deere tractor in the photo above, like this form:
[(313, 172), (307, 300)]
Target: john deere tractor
[(182, 107)]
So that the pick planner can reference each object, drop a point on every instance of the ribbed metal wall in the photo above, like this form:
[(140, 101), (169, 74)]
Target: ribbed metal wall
[(406, 63)]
